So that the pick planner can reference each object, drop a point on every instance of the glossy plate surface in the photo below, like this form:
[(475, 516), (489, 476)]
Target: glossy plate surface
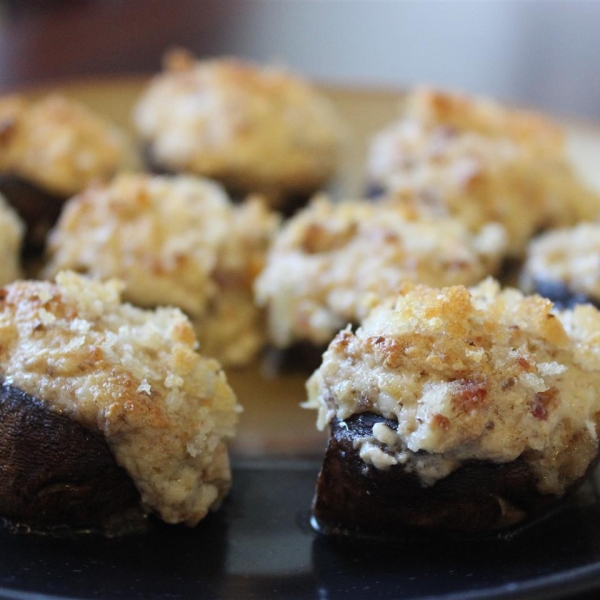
[(260, 544)]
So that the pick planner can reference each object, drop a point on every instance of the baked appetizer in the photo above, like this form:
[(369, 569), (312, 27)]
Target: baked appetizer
[(456, 410), (332, 261), (49, 150), (174, 241), (254, 129), (564, 265), (106, 407), (11, 237), (479, 161)]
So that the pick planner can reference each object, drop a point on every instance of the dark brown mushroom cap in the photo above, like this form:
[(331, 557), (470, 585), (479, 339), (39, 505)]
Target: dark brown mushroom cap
[(38, 209), (55, 471), (479, 497)]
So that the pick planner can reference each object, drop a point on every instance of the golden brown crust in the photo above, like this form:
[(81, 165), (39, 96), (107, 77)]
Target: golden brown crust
[(133, 376), (59, 145), (479, 374), (332, 261), (481, 162), (254, 129), (436, 107), (174, 241)]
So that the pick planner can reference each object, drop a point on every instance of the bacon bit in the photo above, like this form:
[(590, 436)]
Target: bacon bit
[(524, 364), (543, 402), (470, 397), (441, 422)]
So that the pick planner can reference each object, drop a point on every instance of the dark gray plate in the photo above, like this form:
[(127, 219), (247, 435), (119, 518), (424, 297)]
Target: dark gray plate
[(260, 545)]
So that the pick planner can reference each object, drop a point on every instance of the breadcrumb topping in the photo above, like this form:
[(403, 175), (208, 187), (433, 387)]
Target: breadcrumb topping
[(570, 257), (11, 237), (482, 162), (59, 144), (131, 374), (173, 241), (332, 261), (470, 374), (255, 129)]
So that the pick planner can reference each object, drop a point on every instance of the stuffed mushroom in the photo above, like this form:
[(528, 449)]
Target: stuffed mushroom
[(106, 409), (456, 410)]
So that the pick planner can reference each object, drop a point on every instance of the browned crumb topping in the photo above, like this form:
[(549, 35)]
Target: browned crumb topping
[(469, 374), (331, 262), (133, 375), (255, 129), (482, 162), (174, 241), (59, 144)]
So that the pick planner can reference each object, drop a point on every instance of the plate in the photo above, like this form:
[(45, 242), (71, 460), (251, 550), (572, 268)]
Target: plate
[(260, 544)]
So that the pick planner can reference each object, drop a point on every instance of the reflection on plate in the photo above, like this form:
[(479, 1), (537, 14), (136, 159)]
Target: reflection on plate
[(260, 545)]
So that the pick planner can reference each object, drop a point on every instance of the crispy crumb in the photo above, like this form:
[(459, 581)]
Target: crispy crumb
[(471, 374), (166, 412), (174, 241), (331, 262), (477, 160), (255, 129), (60, 145)]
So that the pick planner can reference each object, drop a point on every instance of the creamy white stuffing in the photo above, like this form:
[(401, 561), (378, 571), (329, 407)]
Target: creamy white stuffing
[(59, 144), (173, 241), (482, 162), (469, 374), (569, 257), (255, 129), (133, 375), (11, 237), (331, 262)]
